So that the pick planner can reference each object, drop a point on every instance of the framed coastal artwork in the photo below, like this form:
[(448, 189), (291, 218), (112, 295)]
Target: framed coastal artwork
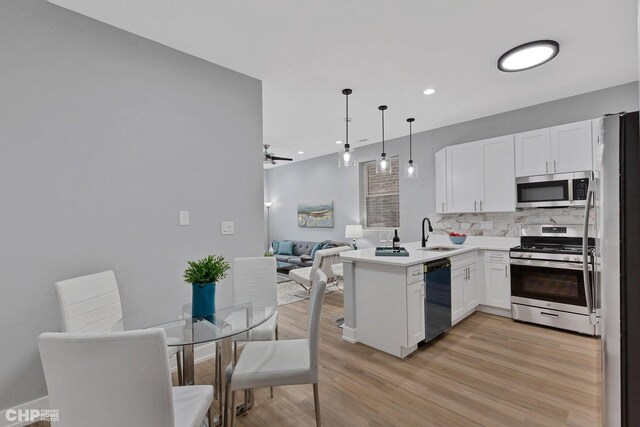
[(315, 214)]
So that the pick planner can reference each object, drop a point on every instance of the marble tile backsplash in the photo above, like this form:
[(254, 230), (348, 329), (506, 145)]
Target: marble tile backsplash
[(503, 224)]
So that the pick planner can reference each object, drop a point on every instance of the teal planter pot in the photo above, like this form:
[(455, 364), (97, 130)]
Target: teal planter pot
[(203, 301)]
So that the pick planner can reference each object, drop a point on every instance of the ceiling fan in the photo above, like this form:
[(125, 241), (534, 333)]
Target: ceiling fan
[(270, 158)]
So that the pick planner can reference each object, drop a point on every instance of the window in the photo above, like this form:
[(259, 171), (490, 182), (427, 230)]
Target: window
[(380, 196)]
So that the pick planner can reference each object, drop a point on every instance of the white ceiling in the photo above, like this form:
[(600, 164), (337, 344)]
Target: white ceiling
[(388, 52)]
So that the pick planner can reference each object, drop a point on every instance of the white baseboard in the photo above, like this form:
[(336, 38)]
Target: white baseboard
[(494, 310), (202, 353), (350, 335), (42, 403)]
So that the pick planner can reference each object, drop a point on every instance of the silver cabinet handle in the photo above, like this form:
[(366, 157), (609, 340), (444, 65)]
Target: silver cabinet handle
[(505, 271), (416, 273), (480, 205), (442, 207), (474, 206), (546, 165), (554, 167)]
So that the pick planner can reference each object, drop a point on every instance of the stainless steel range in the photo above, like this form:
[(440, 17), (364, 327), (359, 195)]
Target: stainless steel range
[(552, 279)]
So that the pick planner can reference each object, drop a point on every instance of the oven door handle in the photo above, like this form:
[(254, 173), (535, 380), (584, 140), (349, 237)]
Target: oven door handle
[(585, 252), (549, 264)]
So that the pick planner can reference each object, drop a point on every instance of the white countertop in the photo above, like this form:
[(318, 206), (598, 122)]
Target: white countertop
[(416, 256)]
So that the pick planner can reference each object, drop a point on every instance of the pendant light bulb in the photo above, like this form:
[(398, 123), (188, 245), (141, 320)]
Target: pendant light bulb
[(411, 169), (383, 165), (345, 155)]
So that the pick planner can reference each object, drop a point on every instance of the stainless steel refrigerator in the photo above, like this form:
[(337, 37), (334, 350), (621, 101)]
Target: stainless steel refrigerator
[(617, 216)]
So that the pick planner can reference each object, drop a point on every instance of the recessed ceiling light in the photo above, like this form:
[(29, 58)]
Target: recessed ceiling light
[(429, 91), (338, 142), (528, 55), (300, 152)]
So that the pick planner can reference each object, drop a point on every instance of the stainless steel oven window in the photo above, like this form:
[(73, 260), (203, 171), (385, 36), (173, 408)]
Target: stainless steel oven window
[(558, 285)]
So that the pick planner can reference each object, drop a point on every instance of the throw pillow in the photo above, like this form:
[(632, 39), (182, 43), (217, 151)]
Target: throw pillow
[(285, 248), (275, 245), (315, 249)]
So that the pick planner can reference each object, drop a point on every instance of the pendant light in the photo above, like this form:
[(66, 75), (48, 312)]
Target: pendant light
[(411, 170), (345, 155), (383, 165)]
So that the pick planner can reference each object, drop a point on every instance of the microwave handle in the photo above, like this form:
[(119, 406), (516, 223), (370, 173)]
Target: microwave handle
[(585, 253)]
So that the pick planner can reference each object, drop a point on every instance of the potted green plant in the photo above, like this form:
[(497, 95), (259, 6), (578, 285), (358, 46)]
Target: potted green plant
[(203, 276)]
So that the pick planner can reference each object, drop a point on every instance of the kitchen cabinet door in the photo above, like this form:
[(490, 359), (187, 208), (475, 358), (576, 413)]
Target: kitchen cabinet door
[(596, 143), (441, 181), (462, 172), (415, 313), (497, 175), (532, 152), (458, 282), (571, 147), (471, 288), (498, 285)]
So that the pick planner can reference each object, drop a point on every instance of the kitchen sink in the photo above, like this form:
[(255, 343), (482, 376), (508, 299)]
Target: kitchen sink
[(437, 249)]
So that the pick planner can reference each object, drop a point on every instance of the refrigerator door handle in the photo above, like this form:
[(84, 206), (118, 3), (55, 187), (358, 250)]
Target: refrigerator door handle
[(585, 254)]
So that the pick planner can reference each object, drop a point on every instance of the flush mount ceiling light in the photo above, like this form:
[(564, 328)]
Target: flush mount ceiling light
[(411, 170), (345, 155), (383, 165), (300, 152), (338, 142), (528, 55), (429, 91)]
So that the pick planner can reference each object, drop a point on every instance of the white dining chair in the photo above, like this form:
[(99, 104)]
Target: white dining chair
[(255, 279), (118, 379), (92, 304), (283, 362), (324, 259)]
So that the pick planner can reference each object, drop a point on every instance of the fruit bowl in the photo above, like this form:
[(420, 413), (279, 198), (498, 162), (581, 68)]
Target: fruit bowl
[(457, 239)]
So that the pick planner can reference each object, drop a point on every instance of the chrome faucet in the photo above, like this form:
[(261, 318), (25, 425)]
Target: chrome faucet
[(424, 239)]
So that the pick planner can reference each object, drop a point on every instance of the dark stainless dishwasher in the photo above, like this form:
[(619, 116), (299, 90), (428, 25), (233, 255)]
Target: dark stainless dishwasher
[(437, 301)]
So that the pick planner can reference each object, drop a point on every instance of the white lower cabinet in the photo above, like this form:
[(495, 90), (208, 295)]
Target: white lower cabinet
[(464, 286), (415, 313), (497, 279)]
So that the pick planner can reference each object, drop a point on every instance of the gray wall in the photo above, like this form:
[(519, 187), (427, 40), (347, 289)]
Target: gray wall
[(104, 137), (320, 178)]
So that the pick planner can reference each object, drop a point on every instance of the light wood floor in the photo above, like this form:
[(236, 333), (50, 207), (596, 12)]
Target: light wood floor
[(486, 371)]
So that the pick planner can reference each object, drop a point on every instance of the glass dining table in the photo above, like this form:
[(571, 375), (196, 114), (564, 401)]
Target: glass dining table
[(233, 319)]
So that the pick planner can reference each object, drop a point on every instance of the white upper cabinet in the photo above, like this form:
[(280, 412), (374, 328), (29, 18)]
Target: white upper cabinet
[(441, 181), (571, 147), (559, 149), (533, 150), (496, 176), (596, 138), (462, 166)]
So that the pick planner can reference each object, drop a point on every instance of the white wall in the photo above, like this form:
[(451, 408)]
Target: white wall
[(321, 179), (104, 137)]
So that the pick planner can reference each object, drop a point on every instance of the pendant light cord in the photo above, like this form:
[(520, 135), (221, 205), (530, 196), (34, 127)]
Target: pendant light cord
[(346, 120), (410, 142), (383, 131)]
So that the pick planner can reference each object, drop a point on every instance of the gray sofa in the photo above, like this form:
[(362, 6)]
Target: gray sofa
[(297, 260)]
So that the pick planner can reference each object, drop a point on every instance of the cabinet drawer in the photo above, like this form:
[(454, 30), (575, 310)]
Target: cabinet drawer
[(496, 256), (464, 260), (415, 274)]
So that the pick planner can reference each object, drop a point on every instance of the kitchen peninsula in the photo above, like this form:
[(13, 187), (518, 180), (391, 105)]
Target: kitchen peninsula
[(384, 295)]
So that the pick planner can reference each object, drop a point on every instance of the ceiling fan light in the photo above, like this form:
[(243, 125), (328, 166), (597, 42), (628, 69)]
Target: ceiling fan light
[(528, 55)]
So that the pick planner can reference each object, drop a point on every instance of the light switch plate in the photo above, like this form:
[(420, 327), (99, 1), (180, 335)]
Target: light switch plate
[(184, 217), (226, 227), (487, 225)]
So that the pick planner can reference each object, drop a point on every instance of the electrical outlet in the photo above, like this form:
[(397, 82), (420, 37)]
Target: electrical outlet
[(487, 225), (226, 227), (465, 225)]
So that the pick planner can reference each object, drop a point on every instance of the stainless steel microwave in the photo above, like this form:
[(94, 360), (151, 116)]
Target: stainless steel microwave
[(552, 191)]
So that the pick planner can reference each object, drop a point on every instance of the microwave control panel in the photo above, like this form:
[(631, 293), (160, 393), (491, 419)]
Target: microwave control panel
[(580, 188)]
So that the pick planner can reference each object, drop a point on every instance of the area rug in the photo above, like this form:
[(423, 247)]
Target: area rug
[(290, 292)]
